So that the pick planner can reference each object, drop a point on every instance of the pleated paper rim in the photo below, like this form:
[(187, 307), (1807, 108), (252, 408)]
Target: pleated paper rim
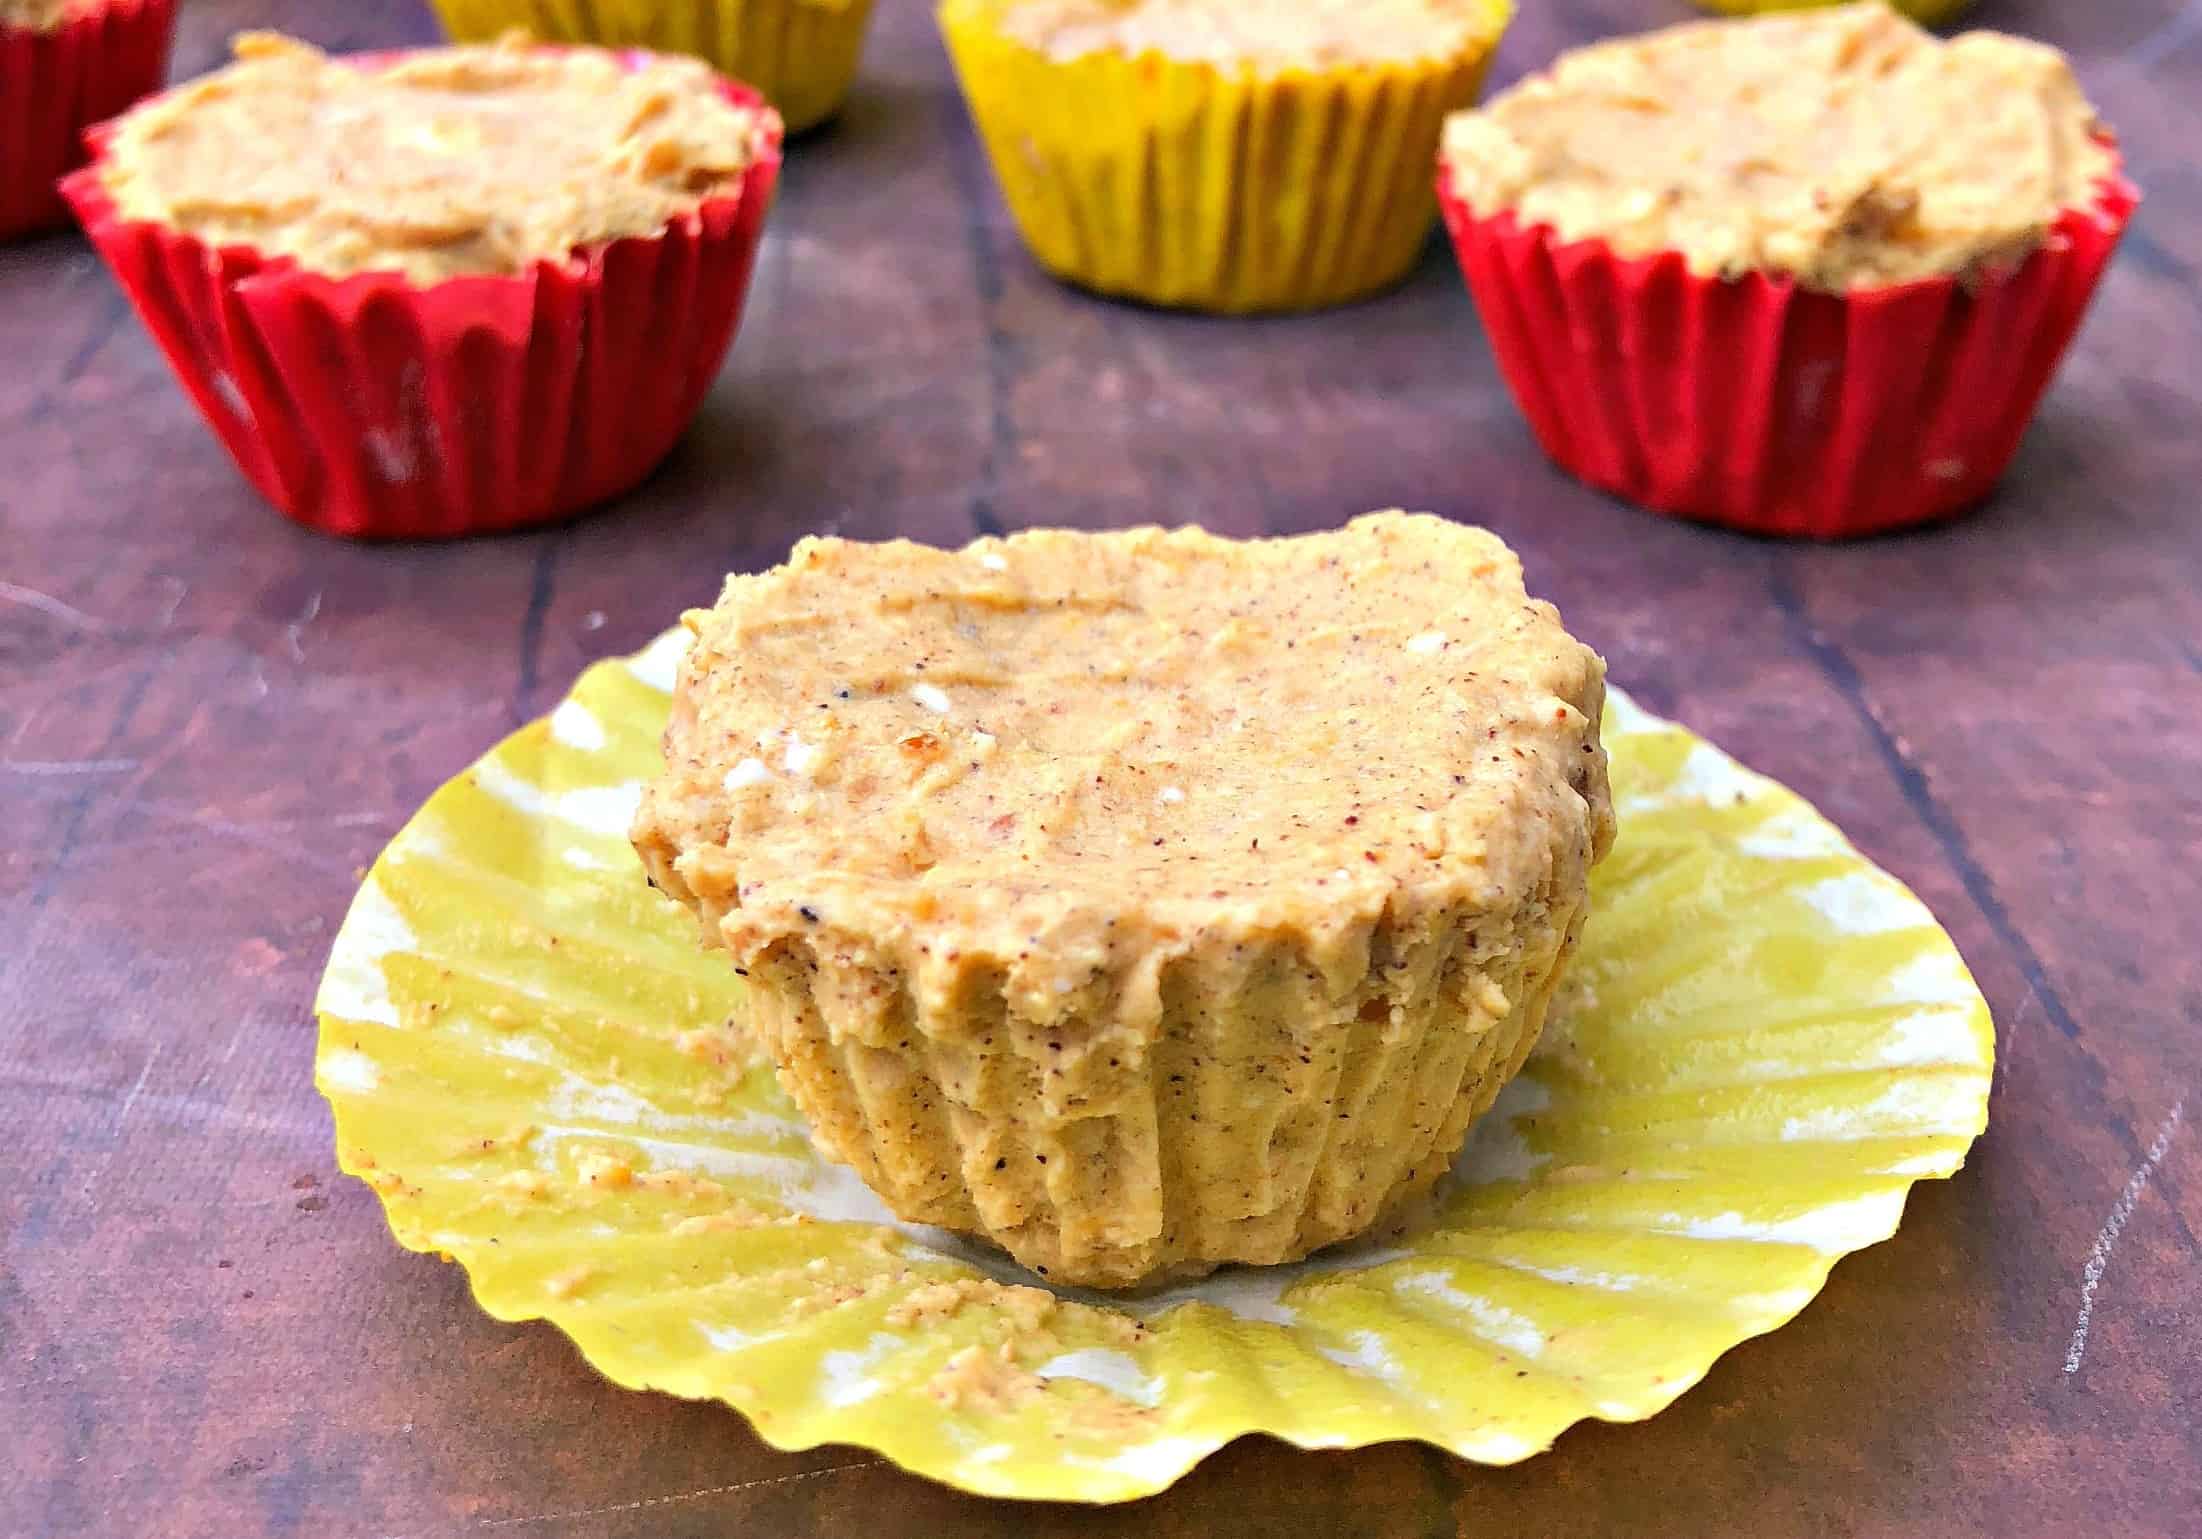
[(1764, 1043)]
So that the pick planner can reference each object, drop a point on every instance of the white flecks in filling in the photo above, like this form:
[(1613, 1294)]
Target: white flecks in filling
[(1428, 641), (1171, 796), (992, 562), (932, 697), (801, 757), (750, 772)]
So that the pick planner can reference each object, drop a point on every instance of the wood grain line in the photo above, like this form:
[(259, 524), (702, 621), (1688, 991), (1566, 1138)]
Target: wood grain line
[(2148, 253), (542, 586), (1911, 782), (967, 164), (80, 805), (2177, 30), (112, 310)]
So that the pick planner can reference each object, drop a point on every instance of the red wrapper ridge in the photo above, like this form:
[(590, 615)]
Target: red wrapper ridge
[(378, 408), (1758, 404), (54, 84)]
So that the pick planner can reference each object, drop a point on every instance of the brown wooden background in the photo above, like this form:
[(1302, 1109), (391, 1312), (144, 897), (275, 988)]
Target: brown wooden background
[(209, 723)]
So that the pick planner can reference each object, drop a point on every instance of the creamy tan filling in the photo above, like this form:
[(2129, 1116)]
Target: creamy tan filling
[(1057, 752), (1845, 147), (1312, 34), (40, 15), (452, 161)]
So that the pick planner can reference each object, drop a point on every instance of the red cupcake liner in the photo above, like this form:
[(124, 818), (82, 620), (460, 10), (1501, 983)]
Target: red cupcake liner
[(378, 408), (1768, 407), (57, 83)]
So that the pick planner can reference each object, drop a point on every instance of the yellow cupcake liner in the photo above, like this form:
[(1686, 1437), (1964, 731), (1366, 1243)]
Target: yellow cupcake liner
[(1928, 13), (1762, 1043), (1184, 185), (801, 54)]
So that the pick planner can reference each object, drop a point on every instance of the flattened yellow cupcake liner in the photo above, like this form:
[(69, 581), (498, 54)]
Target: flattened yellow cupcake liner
[(1929, 13), (1184, 185), (1762, 1043), (801, 54)]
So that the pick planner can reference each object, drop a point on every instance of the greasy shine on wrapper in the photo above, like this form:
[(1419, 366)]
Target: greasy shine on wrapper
[(1174, 182), (378, 408), (1758, 404), (56, 83), (802, 54)]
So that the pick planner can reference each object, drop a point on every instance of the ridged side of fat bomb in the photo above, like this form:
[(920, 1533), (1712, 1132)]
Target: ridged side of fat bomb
[(1270, 1115)]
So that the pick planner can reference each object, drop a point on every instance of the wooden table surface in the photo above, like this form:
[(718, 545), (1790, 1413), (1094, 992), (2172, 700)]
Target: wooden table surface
[(210, 722)]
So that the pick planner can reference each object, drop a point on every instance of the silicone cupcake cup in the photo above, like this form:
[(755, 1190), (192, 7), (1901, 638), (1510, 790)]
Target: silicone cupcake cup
[(802, 54), (1183, 185), (56, 83), (374, 407), (1764, 406)]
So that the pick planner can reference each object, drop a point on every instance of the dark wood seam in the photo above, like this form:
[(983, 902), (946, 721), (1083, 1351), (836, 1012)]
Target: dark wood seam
[(543, 584), (80, 805), (114, 309), (967, 165), (2153, 258), (1911, 782), (1835, 665)]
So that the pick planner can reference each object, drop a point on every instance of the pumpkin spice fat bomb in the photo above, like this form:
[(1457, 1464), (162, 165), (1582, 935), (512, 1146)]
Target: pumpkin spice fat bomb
[(440, 164), (1801, 274), (1140, 901), (1225, 155), (443, 292), (1846, 148), (43, 15), (64, 66)]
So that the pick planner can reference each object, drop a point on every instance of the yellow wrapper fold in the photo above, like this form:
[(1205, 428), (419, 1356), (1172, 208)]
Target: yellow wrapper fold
[(1761, 1043), (1184, 185), (801, 54)]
